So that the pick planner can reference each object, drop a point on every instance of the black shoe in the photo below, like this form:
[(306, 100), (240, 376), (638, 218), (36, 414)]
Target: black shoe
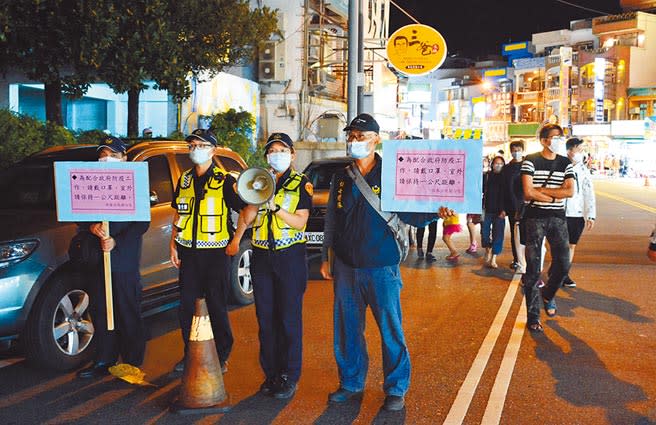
[(342, 395), (420, 253), (430, 257), (569, 283), (97, 370), (394, 403), (286, 388), (179, 366), (269, 386)]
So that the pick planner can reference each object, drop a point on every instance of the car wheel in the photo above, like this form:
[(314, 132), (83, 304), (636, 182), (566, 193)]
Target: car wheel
[(59, 332), (242, 283)]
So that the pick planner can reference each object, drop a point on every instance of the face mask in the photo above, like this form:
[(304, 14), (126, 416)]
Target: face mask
[(200, 155), (358, 150), (497, 168), (557, 144), (109, 159), (518, 155), (577, 157), (279, 161)]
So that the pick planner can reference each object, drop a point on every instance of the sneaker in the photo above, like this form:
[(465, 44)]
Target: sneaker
[(342, 395), (569, 283), (472, 248), (394, 403), (286, 388), (430, 257), (269, 387), (420, 253)]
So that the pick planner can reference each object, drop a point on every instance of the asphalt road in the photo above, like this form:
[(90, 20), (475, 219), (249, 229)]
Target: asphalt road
[(472, 362)]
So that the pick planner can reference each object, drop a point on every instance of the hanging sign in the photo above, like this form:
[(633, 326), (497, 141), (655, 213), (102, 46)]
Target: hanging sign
[(416, 49)]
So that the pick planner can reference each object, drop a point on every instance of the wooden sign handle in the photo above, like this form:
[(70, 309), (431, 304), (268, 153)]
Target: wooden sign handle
[(109, 298)]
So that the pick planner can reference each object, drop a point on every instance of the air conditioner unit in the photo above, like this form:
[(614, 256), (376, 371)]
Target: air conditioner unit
[(272, 61)]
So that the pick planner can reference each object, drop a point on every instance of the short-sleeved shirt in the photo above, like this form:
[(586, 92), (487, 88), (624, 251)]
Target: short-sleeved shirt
[(230, 196), (539, 167)]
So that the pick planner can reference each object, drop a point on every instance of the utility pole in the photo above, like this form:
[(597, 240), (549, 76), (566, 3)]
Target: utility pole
[(353, 31)]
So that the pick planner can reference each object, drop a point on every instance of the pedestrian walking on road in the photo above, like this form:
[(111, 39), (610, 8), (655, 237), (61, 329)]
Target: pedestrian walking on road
[(451, 225), (124, 243), (366, 270), (513, 200), (279, 268), (203, 198), (547, 179), (494, 220), (580, 209), (432, 237)]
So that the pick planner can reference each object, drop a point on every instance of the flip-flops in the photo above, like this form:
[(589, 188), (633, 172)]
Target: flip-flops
[(535, 327)]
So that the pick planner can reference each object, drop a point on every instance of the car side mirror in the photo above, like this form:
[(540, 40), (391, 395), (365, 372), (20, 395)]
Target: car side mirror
[(154, 198)]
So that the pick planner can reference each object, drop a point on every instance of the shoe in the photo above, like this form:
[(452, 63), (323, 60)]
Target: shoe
[(430, 257), (224, 366), (493, 262), (520, 269), (179, 366), (550, 307), (269, 386), (97, 370), (453, 258), (286, 388), (420, 253), (342, 395), (394, 403), (535, 327), (540, 283), (569, 283), (472, 248)]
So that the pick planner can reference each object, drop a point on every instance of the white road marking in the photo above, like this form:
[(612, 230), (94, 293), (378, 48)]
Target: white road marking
[(492, 415), (468, 388)]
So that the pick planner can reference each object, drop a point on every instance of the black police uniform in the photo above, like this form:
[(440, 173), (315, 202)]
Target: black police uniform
[(128, 338), (205, 273), (279, 282)]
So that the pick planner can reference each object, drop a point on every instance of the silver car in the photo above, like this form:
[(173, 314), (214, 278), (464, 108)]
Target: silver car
[(44, 300)]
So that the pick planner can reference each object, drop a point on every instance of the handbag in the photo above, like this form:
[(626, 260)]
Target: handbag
[(399, 228)]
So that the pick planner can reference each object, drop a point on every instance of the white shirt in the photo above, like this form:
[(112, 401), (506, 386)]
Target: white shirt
[(583, 202)]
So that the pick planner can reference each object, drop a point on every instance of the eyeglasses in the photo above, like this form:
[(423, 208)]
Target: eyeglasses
[(360, 137), (279, 151), (199, 146)]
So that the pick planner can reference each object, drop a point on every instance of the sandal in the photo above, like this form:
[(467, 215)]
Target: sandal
[(535, 327), (453, 258), (550, 307)]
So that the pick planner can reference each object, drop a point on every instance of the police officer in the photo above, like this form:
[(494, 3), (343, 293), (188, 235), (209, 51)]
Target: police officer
[(203, 199), (279, 268), (124, 243)]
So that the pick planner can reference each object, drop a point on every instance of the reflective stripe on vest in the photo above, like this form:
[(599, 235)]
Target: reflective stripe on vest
[(284, 235), (212, 215)]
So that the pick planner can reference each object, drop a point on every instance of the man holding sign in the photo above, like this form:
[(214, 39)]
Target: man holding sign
[(366, 269), (124, 243)]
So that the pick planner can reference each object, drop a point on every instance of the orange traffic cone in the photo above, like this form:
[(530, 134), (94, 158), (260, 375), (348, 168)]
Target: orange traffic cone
[(202, 390)]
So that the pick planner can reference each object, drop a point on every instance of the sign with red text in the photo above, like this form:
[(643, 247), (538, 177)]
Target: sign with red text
[(102, 191), (423, 175)]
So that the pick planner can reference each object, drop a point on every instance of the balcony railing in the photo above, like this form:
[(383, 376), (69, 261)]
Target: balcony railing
[(553, 93)]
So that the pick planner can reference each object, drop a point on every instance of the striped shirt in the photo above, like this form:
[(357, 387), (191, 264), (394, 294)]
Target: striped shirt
[(538, 167)]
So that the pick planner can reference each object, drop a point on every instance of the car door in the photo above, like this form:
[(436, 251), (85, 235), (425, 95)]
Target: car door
[(156, 267)]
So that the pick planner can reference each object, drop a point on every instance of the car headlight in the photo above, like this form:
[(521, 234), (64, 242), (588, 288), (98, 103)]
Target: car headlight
[(14, 252)]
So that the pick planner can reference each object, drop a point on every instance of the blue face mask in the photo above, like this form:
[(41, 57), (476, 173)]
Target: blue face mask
[(279, 161), (358, 150)]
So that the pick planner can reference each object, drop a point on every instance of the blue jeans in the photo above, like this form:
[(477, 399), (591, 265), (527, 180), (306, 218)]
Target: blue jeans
[(497, 226), (379, 288)]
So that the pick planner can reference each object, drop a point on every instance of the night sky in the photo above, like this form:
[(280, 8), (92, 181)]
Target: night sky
[(474, 28)]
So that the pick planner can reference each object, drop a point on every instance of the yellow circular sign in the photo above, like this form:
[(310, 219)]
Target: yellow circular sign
[(416, 49)]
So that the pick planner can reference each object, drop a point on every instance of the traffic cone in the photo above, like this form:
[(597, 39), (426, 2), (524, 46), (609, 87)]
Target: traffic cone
[(202, 390)]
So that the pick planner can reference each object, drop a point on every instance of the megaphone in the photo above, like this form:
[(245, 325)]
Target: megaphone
[(256, 186)]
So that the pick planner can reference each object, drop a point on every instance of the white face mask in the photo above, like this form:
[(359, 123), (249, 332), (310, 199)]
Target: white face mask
[(518, 155), (358, 150), (557, 145), (497, 168), (577, 157), (109, 159), (279, 161), (200, 155)]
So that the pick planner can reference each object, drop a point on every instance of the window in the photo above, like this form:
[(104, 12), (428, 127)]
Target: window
[(320, 175), (230, 164), (159, 175), (184, 162)]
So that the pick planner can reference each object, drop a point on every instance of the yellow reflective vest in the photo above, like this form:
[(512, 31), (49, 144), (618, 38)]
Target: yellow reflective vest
[(207, 227), (288, 197)]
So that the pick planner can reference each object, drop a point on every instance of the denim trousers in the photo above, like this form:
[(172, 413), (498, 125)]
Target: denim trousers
[(380, 289), (555, 230), (492, 223)]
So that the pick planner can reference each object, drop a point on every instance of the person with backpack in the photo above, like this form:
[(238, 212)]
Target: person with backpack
[(367, 252)]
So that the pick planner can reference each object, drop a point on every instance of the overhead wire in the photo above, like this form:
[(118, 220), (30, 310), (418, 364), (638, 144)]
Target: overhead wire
[(583, 7)]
